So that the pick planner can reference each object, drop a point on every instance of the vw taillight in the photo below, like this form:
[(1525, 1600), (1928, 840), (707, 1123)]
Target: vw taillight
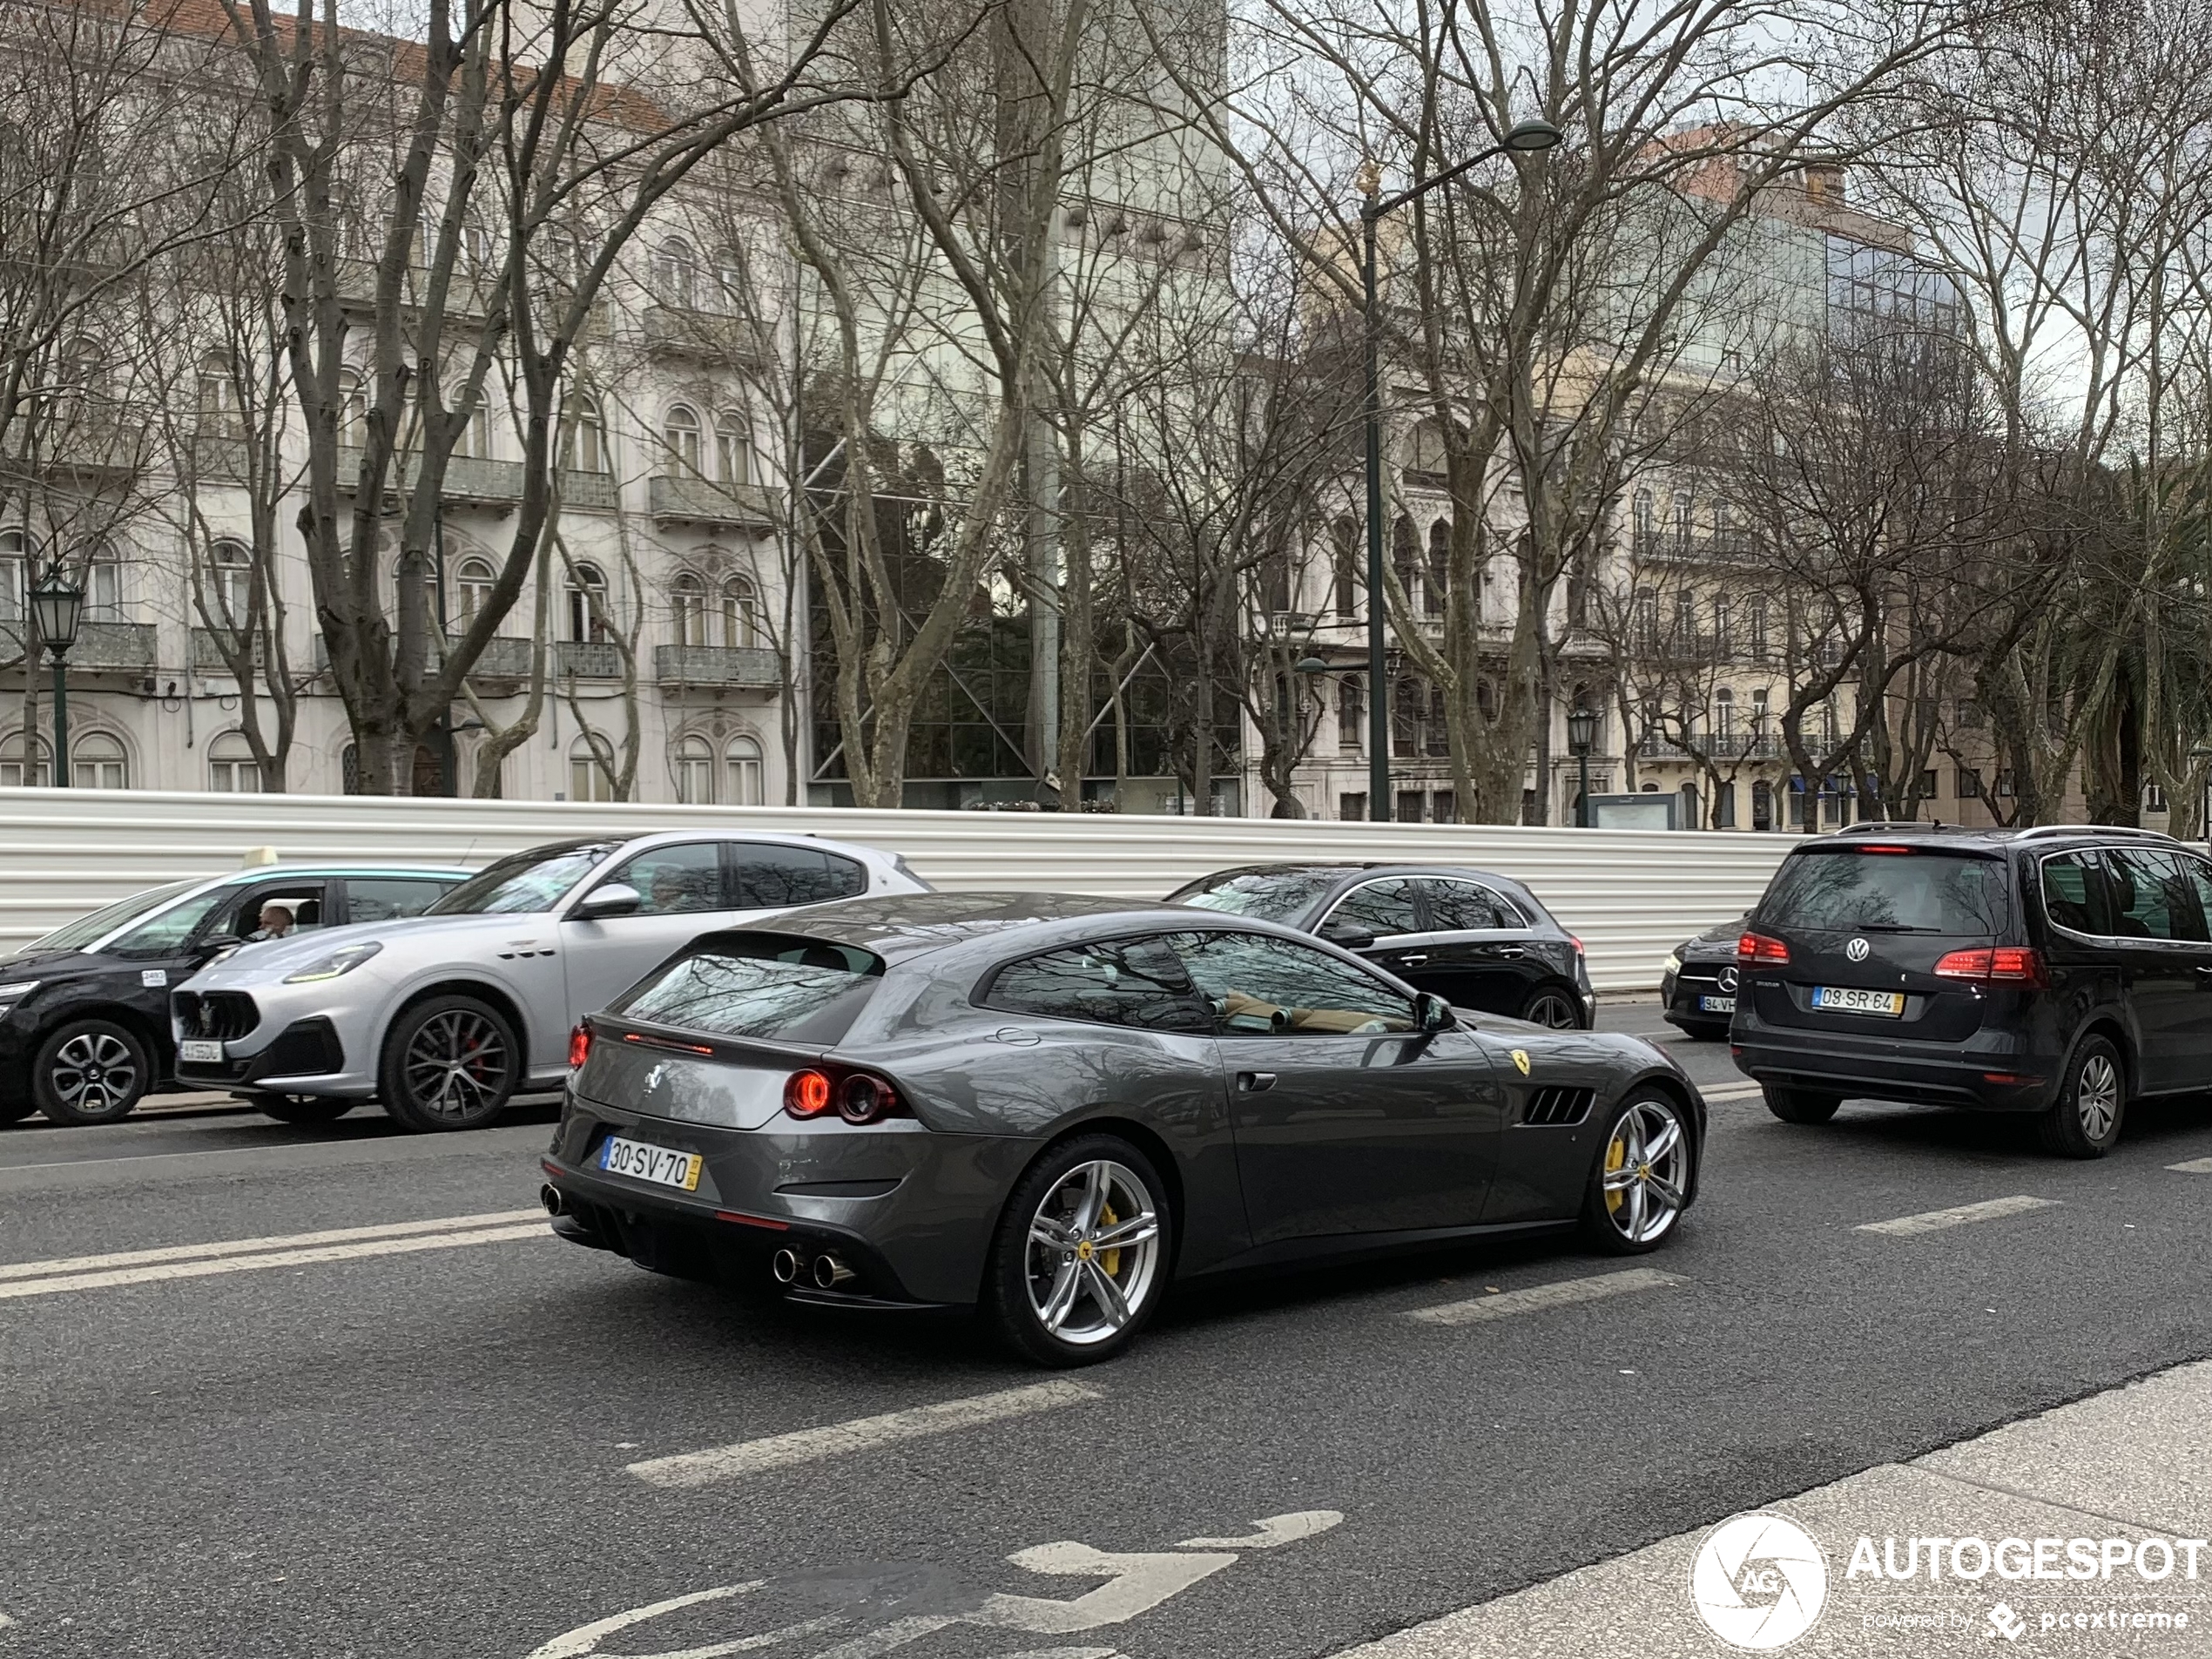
[(2012, 963), (1760, 948)]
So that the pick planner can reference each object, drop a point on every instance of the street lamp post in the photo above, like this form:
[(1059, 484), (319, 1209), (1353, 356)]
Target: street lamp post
[(1525, 136), (1582, 731), (56, 609)]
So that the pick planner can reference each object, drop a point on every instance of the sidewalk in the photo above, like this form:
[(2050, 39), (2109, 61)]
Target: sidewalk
[(2076, 1491)]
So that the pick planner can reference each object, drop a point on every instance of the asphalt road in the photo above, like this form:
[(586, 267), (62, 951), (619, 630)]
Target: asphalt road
[(421, 1441)]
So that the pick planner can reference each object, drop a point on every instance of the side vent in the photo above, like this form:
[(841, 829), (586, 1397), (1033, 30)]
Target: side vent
[(1557, 1108)]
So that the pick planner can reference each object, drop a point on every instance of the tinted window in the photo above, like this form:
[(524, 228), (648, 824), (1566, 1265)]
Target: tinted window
[(774, 877), (2074, 892), (759, 985), (1127, 981), (1380, 907), (1469, 904), (535, 880), (1261, 987), (105, 921), (160, 935), (1920, 892), (2199, 875), (275, 912), (389, 897), (676, 881), (2151, 897), (1272, 895)]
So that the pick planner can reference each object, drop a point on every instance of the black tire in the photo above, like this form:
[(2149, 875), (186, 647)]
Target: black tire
[(2084, 1121), (1019, 1269), (90, 1071), (1646, 1211), (1554, 1007), (306, 1110), (462, 1046), (1800, 1105)]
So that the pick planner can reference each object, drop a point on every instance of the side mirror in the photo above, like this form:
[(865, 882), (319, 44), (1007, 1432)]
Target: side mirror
[(615, 898), (1348, 934), (1433, 1013)]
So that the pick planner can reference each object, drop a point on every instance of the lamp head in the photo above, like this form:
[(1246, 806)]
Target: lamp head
[(1534, 134), (1581, 729), (56, 607)]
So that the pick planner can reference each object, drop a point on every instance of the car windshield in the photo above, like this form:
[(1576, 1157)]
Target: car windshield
[(1271, 896), (1847, 890), (759, 985), (106, 920), (536, 880)]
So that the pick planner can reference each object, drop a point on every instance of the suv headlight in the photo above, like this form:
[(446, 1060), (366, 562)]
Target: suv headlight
[(344, 960), (15, 988), (1672, 964)]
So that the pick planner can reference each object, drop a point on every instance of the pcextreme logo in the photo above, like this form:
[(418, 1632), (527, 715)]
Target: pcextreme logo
[(1759, 1581)]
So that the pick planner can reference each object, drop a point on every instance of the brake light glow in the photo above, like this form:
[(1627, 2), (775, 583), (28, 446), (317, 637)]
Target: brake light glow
[(579, 1047), (1885, 849), (1759, 948), (808, 1094), (2011, 962)]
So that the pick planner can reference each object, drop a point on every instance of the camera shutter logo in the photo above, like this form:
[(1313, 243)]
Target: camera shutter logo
[(1759, 1581), (1857, 950)]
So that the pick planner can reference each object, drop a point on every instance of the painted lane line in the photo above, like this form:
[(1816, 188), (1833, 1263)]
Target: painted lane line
[(2194, 1166), (259, 1246), (281, 1258), (1734, 1092), (1935, 1221), (861, 1434), (1563, 1293)]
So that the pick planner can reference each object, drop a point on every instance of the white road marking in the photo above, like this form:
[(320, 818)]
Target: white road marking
[(834, 1439), (1734, 1091), (280, 1258), (255, 1246), (1562, 1293), (1935, 1221), (2194, 1166)]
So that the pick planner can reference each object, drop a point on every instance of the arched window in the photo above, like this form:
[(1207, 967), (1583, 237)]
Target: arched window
[(1691, 818), (587, 779), (694, 773), (25, 769), (680, 431), (741, 622), (1680, 515), (1344, 549), (231, 768), (217, 397), (1352, 712), (1427, 463), (83, 367), (1645, 517), (729, 281), (732, 449), (588, 603), (13, 575), (676, 273), (474, 441), (583, 444), (1724, 715), (352, 408), (688, 596), (104, 587), (99, 762), (1440, 566), (746, 779), (230, 584), (1405, 561), (472, 585)]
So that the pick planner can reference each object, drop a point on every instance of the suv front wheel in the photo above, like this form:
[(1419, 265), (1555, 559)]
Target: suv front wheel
[(2084, 1121)]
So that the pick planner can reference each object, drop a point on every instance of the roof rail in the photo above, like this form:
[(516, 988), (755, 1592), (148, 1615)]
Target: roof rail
[(2035, 830), (1886, 825)]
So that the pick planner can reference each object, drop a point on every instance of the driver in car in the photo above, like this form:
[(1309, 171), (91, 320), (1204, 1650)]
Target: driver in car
[(276, 922)]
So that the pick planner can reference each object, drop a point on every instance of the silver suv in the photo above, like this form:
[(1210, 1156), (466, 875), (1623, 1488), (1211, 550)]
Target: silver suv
[(445, 1017)]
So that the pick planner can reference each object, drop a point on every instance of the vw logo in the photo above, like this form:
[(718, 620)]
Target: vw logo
[(1857, 949), (1727, 979)]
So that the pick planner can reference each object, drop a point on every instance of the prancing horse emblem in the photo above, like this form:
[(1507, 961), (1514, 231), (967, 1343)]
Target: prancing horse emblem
[(1521, 1059), (1856, 950)]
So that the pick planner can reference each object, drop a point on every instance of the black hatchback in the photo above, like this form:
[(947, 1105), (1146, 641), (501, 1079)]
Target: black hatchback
[(2058, 971), (1480, 941)]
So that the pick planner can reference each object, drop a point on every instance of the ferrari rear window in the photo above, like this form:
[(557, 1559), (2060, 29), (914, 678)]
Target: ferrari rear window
[(782, 986), (1850, 891)]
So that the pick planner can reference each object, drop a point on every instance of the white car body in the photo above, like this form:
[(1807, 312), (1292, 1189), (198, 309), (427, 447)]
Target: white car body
[(269, 1018)]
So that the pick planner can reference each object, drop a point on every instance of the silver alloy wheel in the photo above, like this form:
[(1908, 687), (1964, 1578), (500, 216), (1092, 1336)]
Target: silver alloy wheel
[(1647, 1170), (1554, 1009), (2097, 1096), (94, 1072), (1094, 1253), (455, 1063)]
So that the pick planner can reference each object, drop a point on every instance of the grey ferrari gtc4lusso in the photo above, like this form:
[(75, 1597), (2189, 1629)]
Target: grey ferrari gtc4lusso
[(1051, 1107)]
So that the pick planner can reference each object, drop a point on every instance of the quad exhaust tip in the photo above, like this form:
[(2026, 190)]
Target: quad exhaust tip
[(549, 1195), (784, 1266), (830, 1271)]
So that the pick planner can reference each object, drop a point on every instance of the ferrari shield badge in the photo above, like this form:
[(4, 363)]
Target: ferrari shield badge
[(1521, 1059)]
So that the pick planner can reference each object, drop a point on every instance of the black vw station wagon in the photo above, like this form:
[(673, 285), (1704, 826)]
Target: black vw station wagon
[(2061, 971), (1479, 940)]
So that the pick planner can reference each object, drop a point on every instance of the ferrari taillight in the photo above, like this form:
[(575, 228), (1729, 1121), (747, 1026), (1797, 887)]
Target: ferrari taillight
[(579, 1047)]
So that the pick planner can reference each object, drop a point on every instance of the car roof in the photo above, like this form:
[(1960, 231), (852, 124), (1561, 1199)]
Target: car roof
[(259, 872), (709, 832), (1356, 867), (1992, 837), (899, 926)]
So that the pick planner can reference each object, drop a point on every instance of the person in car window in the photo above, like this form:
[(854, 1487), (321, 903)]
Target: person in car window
[(276, 922)]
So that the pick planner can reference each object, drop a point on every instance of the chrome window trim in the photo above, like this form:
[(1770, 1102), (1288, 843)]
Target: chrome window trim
[(2176, 849)]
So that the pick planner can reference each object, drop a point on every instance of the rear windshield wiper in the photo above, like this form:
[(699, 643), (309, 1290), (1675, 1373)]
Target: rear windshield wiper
[(1894, 927)]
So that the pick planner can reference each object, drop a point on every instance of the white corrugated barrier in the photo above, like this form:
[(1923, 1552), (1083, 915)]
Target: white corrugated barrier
[(1631, 895)]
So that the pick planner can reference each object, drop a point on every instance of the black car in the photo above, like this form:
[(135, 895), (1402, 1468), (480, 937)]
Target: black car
[(1697, 982), (2058, 971), (85, 1011), (1051, 1107), (1478, 940)]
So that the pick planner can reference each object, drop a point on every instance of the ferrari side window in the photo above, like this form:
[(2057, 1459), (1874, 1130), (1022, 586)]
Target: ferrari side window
[(1121, 981), (1259, 985)]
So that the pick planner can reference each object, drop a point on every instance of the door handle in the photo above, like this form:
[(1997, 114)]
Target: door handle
[(1420, 957), (1511, 952), (1255, 1082)]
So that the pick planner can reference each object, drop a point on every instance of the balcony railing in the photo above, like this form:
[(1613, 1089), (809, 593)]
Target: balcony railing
[(208, 650), (125, 647), (1719, 749), (468, 481), (750, 668), (502, 659), (591, 491), (587, 659), (689, 499), (704, 336)]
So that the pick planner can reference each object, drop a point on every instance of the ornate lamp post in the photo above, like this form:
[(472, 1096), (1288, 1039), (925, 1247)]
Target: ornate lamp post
[(56, 607), (1582, 731)]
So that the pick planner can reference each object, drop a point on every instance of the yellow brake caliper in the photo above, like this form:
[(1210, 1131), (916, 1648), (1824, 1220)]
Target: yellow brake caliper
[(1616, 1157), (1111, 1260)]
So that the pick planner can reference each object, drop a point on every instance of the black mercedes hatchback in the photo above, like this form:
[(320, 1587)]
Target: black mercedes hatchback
[(2058, 971)]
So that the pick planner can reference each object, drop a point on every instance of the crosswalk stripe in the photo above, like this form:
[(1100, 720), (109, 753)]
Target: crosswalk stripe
[(1561, 1294), (1935, 1221)]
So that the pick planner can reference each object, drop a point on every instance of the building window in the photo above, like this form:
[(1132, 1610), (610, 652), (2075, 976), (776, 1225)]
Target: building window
[(729, 282), (19, 770), (1691, 818), (681, 434), (217, 397), (472, 585), (747, 776), (104, 587), (588, 780), (230, 767), (229, 585), (1647, 621), (1969, 783), (588, 604), (1682, 523), (1927, 788), (587, 436), (1351, 807), (1344, 538), (1722, 641), (13, 575), (1644, 516), (1352, 712), (1725, 805), (1440, 568), (474, 441), (100, 763), (1404, 563), (353, 410), (1447, 811), (741, 618), (1724, 715), (676, 273), (732, 450), (1686, 622), (1409, 805), (1761, 805), (1754, 631), (687, 595), (694, 773)]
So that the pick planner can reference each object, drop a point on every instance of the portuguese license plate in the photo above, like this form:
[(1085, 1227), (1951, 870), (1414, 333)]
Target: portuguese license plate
[(1835, 999), (658, 1164), (199, 1053), (1716, 1005)]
